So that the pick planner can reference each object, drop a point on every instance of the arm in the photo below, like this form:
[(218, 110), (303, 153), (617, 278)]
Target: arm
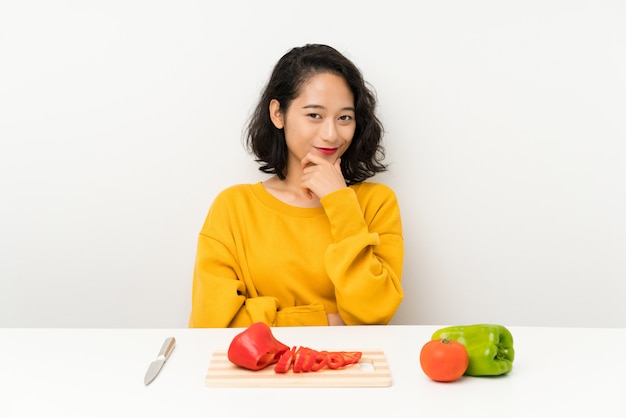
[(218, 292), (219, 297), (365, 260)]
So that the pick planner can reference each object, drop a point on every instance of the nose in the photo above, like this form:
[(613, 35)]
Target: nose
[(329, 130)]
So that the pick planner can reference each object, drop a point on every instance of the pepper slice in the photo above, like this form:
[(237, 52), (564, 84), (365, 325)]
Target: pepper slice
[(300, 359), (335, 360), (285, 361), (321, 359), (309, 360), (351, 357)]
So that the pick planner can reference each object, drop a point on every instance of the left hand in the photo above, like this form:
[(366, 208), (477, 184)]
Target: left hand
[(321, 177)]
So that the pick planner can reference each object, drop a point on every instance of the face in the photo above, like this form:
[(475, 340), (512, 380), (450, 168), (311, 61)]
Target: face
[(320, 120)]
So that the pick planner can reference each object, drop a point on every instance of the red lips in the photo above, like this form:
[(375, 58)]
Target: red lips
[(327, 151)]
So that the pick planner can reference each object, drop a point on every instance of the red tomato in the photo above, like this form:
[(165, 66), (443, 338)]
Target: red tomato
[(444, 360)]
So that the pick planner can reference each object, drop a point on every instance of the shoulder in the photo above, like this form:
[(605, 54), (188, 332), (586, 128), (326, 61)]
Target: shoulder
[(230, 203), (234, 191), (233, 196), (375, 197), (371, 190), (379, 204)]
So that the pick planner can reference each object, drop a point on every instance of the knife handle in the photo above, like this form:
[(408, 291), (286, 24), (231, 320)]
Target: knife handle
[(167, 348)]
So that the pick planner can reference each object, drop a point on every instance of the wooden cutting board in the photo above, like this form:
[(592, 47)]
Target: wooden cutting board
[(371, 371)]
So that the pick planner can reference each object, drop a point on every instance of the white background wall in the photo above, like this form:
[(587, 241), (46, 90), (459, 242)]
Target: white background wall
[(121, 120)]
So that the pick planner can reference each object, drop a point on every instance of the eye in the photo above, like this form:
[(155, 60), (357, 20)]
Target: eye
[(314, 115), (346, 118)]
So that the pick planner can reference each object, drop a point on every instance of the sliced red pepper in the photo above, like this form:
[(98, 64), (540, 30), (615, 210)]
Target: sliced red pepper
[(300, 360), (351, 357), (285, 361), (309, 361), (335, 360), (321, 359), (256, 348)]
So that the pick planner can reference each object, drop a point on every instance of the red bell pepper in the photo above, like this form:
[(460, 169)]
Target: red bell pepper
[(256, 348)]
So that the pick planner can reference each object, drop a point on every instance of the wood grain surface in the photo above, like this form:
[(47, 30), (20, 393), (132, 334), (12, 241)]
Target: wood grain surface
[(371, 371)]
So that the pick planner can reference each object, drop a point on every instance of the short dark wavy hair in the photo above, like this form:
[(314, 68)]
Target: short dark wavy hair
[(363, 158)]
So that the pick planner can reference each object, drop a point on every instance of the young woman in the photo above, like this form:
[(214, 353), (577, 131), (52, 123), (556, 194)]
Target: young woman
[(315, 244)]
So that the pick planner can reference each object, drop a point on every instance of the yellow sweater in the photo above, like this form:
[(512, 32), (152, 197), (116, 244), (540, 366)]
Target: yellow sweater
[(259, 259)]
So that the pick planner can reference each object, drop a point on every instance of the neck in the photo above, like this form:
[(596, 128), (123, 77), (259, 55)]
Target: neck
[(290, 192)]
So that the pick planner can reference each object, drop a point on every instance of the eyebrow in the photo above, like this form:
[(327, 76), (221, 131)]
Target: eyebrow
[(314, 106)]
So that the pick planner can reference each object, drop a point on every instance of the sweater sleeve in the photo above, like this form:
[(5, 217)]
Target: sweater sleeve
[(365, 260), (219, 297), (218, 292)]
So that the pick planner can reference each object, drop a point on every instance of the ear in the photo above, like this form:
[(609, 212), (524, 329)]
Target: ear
[(276, 114)]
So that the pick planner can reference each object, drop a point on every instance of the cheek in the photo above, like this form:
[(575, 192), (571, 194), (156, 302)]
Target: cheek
[(347, 133), (299, 130)]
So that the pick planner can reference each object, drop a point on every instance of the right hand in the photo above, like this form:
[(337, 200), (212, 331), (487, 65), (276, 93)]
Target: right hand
[(320, 177)]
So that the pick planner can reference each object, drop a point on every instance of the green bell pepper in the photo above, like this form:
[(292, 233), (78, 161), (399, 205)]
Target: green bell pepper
[(489, 346)]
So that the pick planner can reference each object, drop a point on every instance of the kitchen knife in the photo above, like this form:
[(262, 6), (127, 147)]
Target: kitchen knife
[(156, 365)]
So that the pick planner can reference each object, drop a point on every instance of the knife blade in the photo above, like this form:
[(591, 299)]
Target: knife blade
[(156, 365)]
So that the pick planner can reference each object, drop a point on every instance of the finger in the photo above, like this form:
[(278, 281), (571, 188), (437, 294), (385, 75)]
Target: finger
[(312, 159), (307, 161)]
